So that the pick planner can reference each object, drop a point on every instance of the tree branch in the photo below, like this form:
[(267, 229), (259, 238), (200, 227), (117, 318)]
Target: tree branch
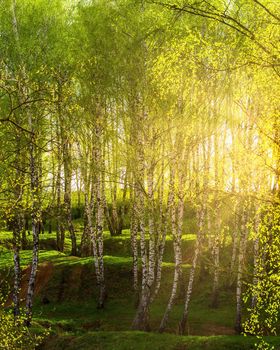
[(221, 17), (8, 120), (267, 10)]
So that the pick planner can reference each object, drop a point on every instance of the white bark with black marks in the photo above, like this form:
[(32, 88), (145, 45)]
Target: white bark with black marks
[(239, 282), (176, 213), (134, 244), (183, 322), (35, 218)]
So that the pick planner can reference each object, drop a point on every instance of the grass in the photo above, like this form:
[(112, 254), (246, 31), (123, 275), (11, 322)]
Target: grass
[(113, 246), (59, 258), (127, 341), (71, 292)]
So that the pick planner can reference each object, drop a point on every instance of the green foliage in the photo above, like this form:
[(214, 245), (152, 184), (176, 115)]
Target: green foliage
[(264, 314), (138, 71), (74, 320), (14, 334)]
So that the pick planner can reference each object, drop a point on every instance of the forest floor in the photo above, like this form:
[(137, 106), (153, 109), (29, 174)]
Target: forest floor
[(66, 302)]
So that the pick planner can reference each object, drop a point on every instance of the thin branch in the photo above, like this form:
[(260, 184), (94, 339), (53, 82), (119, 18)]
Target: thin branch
[(8, 120), (267, 10), (217, 16)]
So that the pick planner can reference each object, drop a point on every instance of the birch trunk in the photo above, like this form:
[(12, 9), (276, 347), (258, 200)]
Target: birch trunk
[(256, 256), (66, 151), (99, 228), (163, 229), (60, 230), (99, 194), (87, 177), (17, 229), (180, 220), (160, 260), (233, 189), (241, 254), (201, 213), (176, 249), (234, 241), (216, 256), (35, 209), (86, 247), (134, 246), (151, 224), (218, 225), (92, 233), (183, 322), (35, 220), (141, 319), (176, 227)]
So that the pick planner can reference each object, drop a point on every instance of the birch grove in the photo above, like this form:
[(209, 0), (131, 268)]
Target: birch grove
[(147, 121)]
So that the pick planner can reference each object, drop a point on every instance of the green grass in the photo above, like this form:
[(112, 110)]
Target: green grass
[(59, 258), (72, 292), (114, 246), (142, 341), (73, 279), (6, 257)]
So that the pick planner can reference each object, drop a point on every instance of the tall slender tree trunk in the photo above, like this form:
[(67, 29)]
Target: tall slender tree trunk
[(134, 246), (67, 167), (99, 228), (218, 227), (141, 319), (177, 251), (98, 202), (151, 225), (17, 229), (35, 218), (216, 264), (234, 240), (183, 322), (236, 221), (92, 231), (87, 177), (34, 193), (161, 238), (256, 256), (201, 218), (239, 283), (66, 151), (85, 247), (173, 229), (180, 221), (60, 229), (161, 247)]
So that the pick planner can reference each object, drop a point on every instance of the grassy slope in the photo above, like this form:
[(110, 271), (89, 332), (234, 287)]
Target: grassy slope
[(143, 341), (68, 284)]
